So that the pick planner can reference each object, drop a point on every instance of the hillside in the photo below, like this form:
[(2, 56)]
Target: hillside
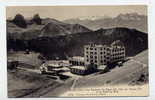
[(72, 45), (129, 74), (54, 38), (55, 29), (16, 32), (131, 20), (48, 27)]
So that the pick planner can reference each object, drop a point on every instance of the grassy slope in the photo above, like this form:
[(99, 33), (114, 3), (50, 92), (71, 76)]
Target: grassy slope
[(36, 85), (23, 83), (130, 72), (31, 59)]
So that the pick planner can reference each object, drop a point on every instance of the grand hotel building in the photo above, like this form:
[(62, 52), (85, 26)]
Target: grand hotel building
[(103, 54)]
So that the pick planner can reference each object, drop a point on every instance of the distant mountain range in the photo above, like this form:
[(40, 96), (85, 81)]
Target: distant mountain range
[(131, 20), (48, 27), (54, 38)]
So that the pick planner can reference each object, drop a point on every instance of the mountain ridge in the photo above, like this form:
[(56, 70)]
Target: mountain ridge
[(47, 28), (129, 20), (54, 38), (72, 44)]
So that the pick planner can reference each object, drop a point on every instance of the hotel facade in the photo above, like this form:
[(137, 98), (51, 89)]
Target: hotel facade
[(96, 55), (103, 54)]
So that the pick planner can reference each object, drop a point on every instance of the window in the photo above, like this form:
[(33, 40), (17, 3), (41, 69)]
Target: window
[(87, 60), (91, 48), (91, 61), (95, 57)]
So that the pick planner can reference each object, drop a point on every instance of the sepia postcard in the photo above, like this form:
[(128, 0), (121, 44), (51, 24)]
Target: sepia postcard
[(77, 51)]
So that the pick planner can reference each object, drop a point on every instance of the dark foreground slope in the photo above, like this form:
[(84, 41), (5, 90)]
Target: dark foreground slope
[(72, 45)]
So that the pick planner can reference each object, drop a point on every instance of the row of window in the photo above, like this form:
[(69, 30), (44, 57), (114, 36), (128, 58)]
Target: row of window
[(96, 57), (102, 57), (96, 48), (95, 61), (104, 48), (107, 57), (116, 58), (115, 52), (96, 52), (118, 54), (76, 63), (105, 60), (120, 49)]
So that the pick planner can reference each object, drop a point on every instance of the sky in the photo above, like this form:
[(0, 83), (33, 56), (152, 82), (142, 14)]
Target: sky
[(68, 12)]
